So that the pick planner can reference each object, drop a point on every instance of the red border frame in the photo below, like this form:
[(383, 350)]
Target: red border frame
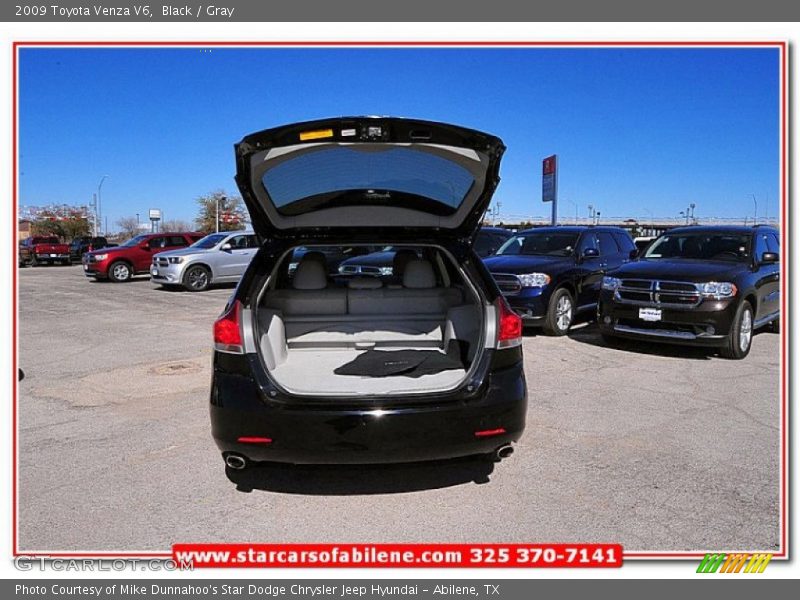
[(783, 149)]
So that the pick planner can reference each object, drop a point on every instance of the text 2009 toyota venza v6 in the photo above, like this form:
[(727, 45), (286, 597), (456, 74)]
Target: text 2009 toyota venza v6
[(312, 368)]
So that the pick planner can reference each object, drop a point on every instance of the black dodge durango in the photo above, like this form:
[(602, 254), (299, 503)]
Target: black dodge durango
[(702, 286), (310, 368)]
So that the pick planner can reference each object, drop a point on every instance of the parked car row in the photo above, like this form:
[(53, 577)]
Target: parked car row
[(40, 250), (134, 257), (701, 286)]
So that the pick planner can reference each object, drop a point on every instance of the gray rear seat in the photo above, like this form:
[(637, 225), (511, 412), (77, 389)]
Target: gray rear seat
[(418, 296), (310, 294), (316, 315)]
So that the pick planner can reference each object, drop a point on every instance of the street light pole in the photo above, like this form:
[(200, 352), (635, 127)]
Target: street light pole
[(99, 202), (755, 211), (575, 204), (94, 213)]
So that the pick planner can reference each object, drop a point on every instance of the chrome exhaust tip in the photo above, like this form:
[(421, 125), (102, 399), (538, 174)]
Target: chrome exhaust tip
[(236, 462), (504, 451)]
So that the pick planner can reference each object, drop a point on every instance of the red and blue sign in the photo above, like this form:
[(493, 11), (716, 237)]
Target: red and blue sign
[(549, 178)]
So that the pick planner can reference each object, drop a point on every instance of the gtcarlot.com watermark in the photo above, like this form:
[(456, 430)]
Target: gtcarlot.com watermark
[(30, 563)]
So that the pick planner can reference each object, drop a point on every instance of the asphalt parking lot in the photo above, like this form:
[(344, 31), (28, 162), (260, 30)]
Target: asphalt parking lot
[(653, 447)]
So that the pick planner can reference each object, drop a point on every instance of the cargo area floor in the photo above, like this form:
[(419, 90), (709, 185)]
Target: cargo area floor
[(310, 371)]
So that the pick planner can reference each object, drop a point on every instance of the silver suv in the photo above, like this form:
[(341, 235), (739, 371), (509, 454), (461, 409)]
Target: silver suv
[(217, 258)]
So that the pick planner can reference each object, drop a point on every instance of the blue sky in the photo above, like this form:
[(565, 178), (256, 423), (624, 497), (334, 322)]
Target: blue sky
[(638, 132)]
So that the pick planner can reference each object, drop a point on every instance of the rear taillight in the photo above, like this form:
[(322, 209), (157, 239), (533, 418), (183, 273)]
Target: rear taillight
[(490, 432), (247, 439), (228, 331), (509, 330)]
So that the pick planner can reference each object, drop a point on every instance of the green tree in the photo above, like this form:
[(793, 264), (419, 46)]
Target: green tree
[(47, 225), (65, 222), (231, 212)]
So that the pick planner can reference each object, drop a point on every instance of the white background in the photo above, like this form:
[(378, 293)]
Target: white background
[(31, 32)]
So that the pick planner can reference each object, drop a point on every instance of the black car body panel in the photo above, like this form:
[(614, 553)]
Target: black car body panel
[(672, 286)]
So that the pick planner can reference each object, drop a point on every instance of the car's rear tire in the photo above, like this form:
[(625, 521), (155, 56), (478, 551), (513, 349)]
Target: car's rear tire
[(197, 278), (560, 313), (740, 339), (119, 271), (775, 326)]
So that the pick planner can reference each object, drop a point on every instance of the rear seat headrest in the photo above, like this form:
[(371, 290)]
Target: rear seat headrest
[(310, 275), (401, 258), (317, 256), (364, 283), (419, 275)]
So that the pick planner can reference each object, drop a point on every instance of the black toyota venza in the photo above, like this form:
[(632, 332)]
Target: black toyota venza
[(310, 368)]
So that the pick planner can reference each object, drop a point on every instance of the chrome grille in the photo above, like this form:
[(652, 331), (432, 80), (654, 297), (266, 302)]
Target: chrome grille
[(654, 292), (161, 261), (358, 269), (509, 284)]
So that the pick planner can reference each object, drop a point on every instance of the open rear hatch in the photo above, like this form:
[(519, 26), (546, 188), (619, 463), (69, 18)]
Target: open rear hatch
[(335, 175)]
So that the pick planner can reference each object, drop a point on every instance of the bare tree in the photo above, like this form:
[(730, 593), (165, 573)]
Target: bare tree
[(175, 225), (231, 212), (129, 226)]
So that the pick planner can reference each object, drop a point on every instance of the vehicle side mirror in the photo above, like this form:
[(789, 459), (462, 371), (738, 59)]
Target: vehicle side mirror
[(226, 247), (633, 253), (769, 258), (591, 253)]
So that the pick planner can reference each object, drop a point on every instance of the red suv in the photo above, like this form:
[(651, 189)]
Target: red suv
[(121, 263)]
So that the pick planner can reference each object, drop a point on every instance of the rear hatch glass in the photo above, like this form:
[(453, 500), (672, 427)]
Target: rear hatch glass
[(368, 172)]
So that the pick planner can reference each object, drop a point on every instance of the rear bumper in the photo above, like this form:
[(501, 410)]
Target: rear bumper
[(52, 256), (706, 325), (328, 435)]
